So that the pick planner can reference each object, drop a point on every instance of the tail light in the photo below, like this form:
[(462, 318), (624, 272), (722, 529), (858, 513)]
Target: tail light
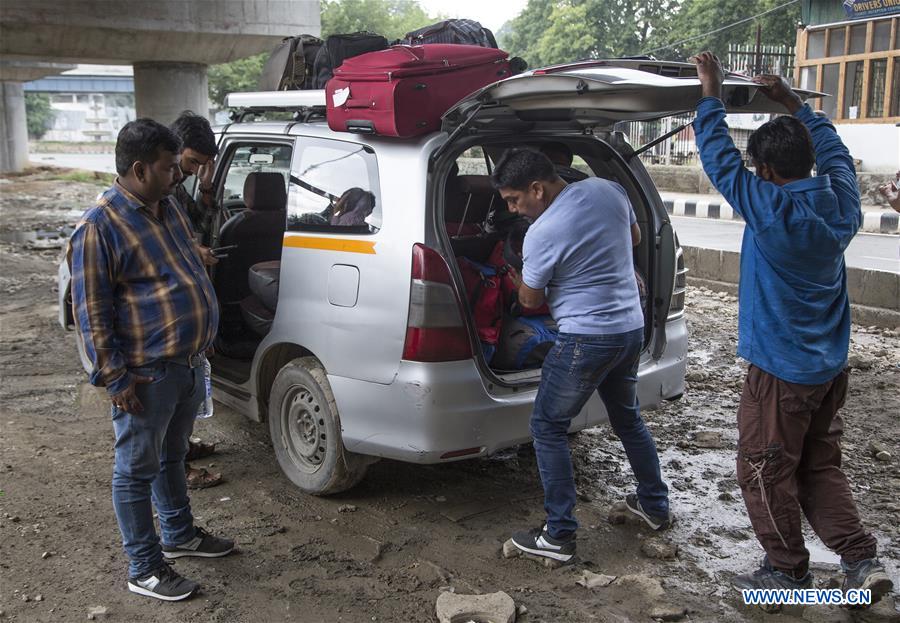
[(435, 330), (677, 305)]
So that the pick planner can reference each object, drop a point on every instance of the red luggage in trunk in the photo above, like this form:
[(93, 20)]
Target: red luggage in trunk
[(404, 90)]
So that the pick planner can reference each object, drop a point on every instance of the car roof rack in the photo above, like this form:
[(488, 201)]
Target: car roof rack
[(306, 105)]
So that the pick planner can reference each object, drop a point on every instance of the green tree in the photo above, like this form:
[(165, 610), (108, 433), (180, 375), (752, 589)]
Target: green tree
[(39, 114), (240, 75), (391, 18), (559, 31), (697, 17)]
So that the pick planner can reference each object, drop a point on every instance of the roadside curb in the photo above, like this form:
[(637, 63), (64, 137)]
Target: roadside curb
[(874, 294), (873, 222)]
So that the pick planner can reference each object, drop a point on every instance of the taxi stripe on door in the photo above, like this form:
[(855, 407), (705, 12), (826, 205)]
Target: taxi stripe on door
[(366, 247)]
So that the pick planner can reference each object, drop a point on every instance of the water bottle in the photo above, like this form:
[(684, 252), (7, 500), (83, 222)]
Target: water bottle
[(206, 407)]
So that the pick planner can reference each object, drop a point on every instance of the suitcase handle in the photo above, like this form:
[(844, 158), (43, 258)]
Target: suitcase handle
[(358, 103)]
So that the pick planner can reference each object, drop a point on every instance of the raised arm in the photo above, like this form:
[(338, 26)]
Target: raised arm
[(755, 199)]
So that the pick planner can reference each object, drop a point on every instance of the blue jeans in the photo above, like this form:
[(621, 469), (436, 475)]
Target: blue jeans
[(576, 366), (150, 451)]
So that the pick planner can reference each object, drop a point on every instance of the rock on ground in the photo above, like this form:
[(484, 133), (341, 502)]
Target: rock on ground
[(495, 607)]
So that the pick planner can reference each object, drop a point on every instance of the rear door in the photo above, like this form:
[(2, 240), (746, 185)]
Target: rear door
[(598, 94)]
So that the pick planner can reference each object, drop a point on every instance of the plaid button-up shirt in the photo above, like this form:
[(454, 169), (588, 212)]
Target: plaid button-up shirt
[(140, 290)]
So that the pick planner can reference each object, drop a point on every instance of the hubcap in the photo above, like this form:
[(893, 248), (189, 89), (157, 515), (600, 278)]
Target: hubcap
[(303, 425)]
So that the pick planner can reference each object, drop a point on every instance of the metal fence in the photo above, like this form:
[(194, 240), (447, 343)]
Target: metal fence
[(678, 149), (681, 148), (771, 59)]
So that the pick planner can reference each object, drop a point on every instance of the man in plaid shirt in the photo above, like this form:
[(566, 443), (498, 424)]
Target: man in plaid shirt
[(146, 310)]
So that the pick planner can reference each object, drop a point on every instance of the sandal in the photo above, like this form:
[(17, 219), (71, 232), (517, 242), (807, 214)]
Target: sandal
[(199, 450), (201, 478)]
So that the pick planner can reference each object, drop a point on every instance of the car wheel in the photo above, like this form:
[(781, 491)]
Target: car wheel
[(306, 431)]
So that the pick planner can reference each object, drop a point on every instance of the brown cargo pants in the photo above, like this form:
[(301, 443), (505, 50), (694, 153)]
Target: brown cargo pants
[(789, 465)]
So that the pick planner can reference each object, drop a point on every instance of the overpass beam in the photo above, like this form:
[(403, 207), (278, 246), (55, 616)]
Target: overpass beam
[(163, 89), (13, 127)]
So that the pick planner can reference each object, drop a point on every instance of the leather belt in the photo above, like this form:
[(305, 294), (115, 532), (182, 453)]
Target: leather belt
[(191, 361)]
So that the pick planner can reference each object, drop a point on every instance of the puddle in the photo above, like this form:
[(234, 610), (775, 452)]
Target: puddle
[(715, 531), (37, 239), (699, 357)]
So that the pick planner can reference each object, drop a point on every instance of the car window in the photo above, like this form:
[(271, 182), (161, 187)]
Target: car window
[(472, 162), (334, 189), (253, 158)]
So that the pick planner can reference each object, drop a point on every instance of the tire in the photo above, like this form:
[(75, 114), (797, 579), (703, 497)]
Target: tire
[(306, 431)]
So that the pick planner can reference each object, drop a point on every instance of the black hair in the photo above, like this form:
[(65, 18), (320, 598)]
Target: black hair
[(196, 133), (785, 145), (520, 167), (141, 140), (561, 150)]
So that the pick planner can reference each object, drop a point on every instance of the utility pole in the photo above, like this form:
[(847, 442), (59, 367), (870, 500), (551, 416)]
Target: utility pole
[(757, 64)]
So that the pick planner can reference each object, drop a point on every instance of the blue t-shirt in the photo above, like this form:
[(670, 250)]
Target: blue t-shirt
[(794, 312), (580, 250)]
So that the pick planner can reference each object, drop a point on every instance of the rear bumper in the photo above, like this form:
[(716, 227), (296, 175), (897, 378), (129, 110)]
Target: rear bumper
[(431, 409)]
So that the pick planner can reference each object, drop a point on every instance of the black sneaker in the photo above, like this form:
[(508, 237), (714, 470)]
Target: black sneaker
[(163, 583), (539, 542), (867, 574), (203, 545), (657, 522)]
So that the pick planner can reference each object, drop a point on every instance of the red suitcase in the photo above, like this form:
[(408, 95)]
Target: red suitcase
[(405, 89)]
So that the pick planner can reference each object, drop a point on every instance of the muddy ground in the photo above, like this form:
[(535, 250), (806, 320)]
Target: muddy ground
[(384, 551)]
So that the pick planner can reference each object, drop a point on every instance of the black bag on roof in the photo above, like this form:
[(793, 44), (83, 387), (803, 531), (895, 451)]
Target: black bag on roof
[(290, 65), (339, 47), (464, 31)]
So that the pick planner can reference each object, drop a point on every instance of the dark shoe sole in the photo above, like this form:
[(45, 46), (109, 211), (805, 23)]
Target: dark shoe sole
[(182, 554), (140, 590)]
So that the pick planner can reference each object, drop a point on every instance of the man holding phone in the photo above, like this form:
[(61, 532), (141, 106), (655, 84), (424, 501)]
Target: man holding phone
[(198, 157)]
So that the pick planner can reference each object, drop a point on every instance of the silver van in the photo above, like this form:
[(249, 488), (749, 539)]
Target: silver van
[(345, 320)]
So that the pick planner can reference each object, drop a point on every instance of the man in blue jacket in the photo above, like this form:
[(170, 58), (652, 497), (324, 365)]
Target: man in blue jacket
[(793, 328)]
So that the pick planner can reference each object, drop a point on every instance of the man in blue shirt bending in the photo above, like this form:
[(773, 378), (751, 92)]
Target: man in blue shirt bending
[(577, 256), (793, 328)]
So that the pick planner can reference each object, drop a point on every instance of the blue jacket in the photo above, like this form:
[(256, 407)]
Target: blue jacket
[(794, 312)]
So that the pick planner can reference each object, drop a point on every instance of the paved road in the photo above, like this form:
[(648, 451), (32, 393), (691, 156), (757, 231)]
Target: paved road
[(105, 163), (871, 251)]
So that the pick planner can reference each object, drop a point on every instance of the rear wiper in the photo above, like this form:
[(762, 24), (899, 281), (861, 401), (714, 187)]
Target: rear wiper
[(657, 141)]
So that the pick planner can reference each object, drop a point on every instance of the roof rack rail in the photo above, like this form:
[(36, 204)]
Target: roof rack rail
[(306, 105)]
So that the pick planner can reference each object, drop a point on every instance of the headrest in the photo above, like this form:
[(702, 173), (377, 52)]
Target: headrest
[(265, 191), (476, 184)]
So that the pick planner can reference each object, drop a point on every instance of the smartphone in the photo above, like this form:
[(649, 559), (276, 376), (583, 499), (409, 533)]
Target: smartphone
[(223, 251)]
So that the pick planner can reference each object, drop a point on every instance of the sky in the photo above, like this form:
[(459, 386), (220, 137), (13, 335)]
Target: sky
[(491, 13)]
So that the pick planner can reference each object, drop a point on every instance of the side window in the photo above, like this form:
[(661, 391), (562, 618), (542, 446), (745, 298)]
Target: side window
[(252, 158), (334, 188)]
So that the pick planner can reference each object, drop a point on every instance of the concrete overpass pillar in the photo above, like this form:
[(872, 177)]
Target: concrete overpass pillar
[(163, 89), (13, 127)]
